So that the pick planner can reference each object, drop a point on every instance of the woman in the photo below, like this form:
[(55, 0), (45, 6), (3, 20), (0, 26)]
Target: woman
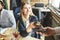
[(26, 20)]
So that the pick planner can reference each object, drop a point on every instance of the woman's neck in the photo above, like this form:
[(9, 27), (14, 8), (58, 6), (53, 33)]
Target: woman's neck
[(26, 16)]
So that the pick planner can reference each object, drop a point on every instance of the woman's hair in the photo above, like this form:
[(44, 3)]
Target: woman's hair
[(1, 3), (21, 7)]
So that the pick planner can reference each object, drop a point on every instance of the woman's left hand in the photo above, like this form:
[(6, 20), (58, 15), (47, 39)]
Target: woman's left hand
[(30, 26)]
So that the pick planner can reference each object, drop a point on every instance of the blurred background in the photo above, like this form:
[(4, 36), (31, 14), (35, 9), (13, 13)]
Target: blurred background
[(47, 11)]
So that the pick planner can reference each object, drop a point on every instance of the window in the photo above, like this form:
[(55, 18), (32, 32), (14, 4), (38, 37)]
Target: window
[(54, 3)]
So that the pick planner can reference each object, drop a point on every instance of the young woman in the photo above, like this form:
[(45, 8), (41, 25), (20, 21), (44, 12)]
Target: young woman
[(26, 20)]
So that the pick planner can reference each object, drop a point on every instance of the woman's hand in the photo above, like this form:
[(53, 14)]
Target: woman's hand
[(29, 28), (31, 25)]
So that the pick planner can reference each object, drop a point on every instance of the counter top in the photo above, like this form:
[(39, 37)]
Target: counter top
[(28, 38), (55, 14)]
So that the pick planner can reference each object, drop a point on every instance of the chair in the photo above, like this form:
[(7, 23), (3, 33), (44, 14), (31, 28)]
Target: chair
[(16, 13)]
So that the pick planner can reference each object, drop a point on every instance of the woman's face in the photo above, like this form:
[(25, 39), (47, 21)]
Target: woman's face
[(26, 9)]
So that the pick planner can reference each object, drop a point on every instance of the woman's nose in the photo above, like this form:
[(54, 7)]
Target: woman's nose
[(28, 9)]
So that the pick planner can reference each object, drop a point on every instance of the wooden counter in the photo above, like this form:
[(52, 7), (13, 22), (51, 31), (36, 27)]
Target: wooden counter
[(55, 16), (12, 34), (28, 38)]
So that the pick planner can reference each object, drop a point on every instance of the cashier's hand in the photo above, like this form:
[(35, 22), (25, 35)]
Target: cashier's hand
[(49, 31)]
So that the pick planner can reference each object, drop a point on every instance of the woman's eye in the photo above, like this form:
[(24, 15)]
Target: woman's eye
[(29, 7)]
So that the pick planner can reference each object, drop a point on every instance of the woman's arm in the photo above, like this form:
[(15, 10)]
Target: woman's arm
[(25, 31), (22, 30)]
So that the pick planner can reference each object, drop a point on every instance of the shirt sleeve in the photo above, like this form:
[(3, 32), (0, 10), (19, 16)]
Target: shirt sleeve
[(12, 19), (57, 30), (22, 30)]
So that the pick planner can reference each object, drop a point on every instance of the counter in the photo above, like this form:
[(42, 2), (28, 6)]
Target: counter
[(55, 15), (55, 19), (28, 38)]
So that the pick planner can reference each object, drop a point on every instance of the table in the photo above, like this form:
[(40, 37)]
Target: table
[(8, 35), (28, 38)]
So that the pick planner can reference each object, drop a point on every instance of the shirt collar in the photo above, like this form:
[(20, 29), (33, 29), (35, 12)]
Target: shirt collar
[(2, 11), (24, 19)]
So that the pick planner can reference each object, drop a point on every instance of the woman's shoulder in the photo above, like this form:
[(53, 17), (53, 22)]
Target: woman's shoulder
[(33, 18)]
